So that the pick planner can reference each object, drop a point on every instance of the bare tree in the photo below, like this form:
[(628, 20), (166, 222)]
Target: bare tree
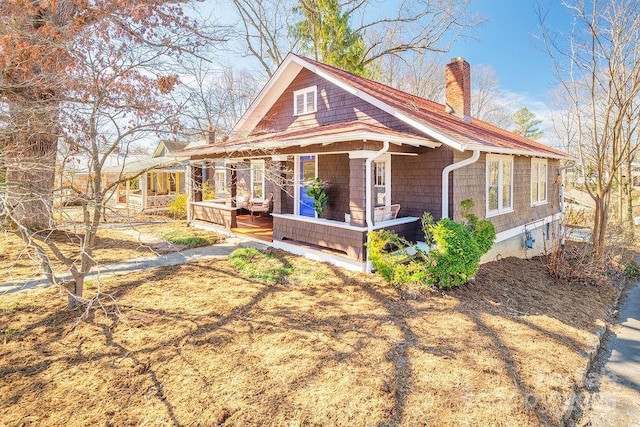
[(110, 80), (419, 26), (265, 30), (487, 99), (599, 72), (214, 98)]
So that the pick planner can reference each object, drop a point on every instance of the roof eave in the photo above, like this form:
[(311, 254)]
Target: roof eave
[(516, 152)]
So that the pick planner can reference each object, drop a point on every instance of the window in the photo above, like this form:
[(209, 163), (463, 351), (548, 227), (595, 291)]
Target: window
[(538, 182), (305, 101), (382, 182), (257, 179), (499, 185), (220, 178)]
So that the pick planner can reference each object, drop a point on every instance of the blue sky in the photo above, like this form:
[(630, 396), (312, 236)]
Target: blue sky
[(509, 42)]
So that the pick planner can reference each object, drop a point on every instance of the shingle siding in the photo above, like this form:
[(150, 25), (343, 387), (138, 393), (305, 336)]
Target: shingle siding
[(334, 106), (470, 183)]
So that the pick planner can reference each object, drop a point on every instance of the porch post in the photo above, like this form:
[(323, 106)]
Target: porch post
[(357, 192), (280, 192), (188, 189), (145, 185), (196, 183), (234, 184)]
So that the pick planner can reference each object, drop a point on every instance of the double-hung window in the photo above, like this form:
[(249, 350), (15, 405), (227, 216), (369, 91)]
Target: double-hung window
[(305, 101), (499, 184), (257, 179), (538, 182), (220, 177), (382, 181)]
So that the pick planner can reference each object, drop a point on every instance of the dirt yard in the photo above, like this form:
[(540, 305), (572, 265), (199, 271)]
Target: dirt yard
[(200, 345)]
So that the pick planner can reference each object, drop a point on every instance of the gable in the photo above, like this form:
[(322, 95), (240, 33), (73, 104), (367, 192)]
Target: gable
[(334, 106)]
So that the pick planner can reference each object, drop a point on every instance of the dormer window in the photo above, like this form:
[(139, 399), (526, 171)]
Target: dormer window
[(305, 101)]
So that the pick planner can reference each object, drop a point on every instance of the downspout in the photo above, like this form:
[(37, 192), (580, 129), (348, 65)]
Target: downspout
[(445, 179), (368, 162), (189, 189)]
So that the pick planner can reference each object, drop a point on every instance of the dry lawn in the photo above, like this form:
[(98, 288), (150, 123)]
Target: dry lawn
[(199, 345), (19, 263)]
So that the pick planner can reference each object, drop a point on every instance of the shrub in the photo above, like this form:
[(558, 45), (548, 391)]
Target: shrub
[(454, 260), (390, 259), (482, 230), (427, 223), (178, 207), (208, 193), (456, 257)]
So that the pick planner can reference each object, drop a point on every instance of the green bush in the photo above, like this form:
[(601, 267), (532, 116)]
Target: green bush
[(453, 261), (390, 259), (178, 207), (456, 256)]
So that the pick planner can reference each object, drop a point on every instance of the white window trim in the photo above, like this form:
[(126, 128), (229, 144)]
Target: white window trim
[(386, 159), (220, 169), (260, 163), (501, 159), (537, 163), (297, 183), (305, 93)]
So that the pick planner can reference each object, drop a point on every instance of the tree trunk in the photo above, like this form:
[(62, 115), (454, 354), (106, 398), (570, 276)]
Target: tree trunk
[(599, 228), (74, 292), (29, 160)]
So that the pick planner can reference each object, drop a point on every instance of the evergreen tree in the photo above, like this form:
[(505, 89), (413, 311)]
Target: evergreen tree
[(527, 124), (325, 34)]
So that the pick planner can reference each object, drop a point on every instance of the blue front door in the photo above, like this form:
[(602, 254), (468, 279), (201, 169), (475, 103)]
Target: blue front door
[(307, 174)]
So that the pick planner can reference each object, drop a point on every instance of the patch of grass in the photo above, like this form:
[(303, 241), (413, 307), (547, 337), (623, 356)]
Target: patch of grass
[(186, 237), (261, 266), (10, 308)]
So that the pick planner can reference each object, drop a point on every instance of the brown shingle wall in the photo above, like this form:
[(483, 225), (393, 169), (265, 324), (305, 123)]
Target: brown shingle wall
[(211, 214), (350, 242), (470, 182), (334, 169), (357, 199), (416, 181), (334, 106)]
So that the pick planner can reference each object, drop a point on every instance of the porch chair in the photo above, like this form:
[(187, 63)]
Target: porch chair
[(260, 207), (385, 213)]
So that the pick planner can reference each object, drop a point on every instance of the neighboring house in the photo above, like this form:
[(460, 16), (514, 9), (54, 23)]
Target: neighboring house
[(74, 170), (375, 147), (155, 181)]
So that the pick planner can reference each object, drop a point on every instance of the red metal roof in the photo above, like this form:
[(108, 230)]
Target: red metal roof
[(474, 135), (433, 114)]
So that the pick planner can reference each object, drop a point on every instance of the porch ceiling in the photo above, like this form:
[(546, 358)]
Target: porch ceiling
[(320, 135)]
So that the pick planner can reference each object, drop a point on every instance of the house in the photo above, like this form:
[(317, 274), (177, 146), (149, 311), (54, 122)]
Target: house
[(155, 180), (375, 147)]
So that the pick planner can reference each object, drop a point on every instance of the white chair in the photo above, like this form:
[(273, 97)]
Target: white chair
[(260, 207)]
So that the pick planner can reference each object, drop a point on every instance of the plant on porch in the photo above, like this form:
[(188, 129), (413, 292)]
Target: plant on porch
[(317, 191)]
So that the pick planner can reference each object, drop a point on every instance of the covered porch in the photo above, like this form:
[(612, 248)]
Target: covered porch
[(147, 186), (358, 178)]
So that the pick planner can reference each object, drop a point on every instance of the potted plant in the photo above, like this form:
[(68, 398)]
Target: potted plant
[(316, 189)]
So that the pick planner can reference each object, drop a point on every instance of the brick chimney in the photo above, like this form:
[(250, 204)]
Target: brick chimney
[(211, 135), (458, 88)]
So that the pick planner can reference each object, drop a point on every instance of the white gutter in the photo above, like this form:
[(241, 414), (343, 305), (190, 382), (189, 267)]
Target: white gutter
[(368, 162), (445, 179)]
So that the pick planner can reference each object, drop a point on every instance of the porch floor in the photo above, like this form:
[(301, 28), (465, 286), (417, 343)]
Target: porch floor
[(261, 227)]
